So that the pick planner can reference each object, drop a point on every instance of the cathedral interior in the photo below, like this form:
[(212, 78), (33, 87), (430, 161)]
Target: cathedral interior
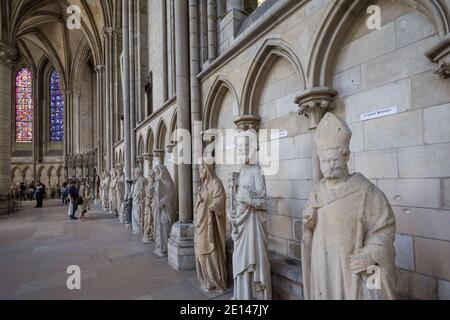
[(96, 91)]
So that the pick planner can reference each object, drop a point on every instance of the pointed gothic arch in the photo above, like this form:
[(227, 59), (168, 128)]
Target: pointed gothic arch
[(335, 25), (161, 135), (214, 100), (269, 52)]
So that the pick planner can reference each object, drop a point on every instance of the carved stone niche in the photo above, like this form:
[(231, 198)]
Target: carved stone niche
[(440, 56)]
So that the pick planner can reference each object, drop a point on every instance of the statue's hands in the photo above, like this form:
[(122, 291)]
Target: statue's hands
[(310, 218), (361, 262)]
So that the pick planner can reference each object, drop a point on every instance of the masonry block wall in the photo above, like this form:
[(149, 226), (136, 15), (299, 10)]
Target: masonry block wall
[(405, 154)]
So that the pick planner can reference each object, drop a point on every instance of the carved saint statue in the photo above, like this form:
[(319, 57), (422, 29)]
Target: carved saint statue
[(97, 184), (164, 208), (210, 227), (348, 227), (138, 194), (100, 191), (148, 235), (112, 193), (251, 265), (105, 190), (120, 189)]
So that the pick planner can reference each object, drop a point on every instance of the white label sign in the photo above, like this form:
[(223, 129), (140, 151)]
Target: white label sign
[(279, 135), (379, 113)]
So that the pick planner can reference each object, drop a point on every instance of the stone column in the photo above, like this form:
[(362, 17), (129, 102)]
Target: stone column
[(235, 5), (68, 116), (109, 108), (148, 163), (313, 104), (194, 24), (100, 115), (132, 82), (181, 243), (164, 83), (126, 90), (212, 30), (7, 60)]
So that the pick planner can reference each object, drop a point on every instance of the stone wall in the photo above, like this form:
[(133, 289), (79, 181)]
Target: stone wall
[(405, 154), (5, 136)]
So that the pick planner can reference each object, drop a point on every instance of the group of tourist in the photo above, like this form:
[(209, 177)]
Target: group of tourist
[(27, 191), (69, 193), (78, 199), (35, 191)]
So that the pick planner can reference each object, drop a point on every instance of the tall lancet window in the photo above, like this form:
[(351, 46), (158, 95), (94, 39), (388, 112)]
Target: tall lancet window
[(24, 106), (56, 109)]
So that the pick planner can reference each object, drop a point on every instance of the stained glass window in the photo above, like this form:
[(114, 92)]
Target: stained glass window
[(56, 108), (24, 106)]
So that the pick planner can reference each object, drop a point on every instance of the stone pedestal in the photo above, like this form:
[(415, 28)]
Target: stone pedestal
[(181, 251), (4, 205)]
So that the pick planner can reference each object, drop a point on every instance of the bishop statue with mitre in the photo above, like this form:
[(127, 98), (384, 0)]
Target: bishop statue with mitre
[(348, 227)]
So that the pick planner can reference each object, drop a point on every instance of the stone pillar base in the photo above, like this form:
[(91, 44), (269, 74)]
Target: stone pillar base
[(181, 252), (4, 205)]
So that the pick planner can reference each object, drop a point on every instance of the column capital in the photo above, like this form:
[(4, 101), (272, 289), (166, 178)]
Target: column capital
[(248, 122), (100, 67), (209, 136), (440, 56), (147, 156), (171, 146), (109, 30), (314, 103), (8, 55)]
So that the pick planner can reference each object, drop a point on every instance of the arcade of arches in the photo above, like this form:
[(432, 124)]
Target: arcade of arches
[(78, 99)]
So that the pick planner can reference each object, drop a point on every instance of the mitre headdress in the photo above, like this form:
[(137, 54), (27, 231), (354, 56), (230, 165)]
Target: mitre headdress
[(332, 133)]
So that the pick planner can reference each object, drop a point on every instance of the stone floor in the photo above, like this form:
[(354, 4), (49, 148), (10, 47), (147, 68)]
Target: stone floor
[(37, 246)]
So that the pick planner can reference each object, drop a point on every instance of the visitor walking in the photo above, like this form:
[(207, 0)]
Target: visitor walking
[(73, 198), (64, 193), (31, 191), (85, 194), (39, 194), (23, 191)]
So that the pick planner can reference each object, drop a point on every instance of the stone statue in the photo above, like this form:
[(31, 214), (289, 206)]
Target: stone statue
[(97, 187), (138, 194), (164, 208), (120, 190), (112, 193), (348, 227), (210, 226), (101, 183), (148, 235), (251, 265), (105, 190)]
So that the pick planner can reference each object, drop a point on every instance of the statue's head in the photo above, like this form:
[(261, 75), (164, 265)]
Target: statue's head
[(247, 149), (206, 170), (138, 172), (333, 146)]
